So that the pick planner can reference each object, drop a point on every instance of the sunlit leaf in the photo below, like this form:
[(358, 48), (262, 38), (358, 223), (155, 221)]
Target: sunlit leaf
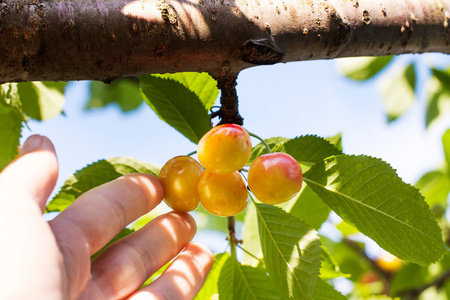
[(329, 267), (246, 283), (408, 277), (309, 207), (367, 193), (176, 105), (378, 297), (210, 288), (310, 149), (291, 249), (336, 140), (60, 86), (202, 84), (307, 149), (324, 291), (94, 175), (362, 68), (438, 96), (275, 144), (123, 92), (40, 101), (446, 146), (250, 237), (11, 120), (344, 256), (398, 92), (434, 186), (346, 229)]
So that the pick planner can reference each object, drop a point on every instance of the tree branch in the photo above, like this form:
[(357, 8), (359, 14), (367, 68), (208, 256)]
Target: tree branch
[(104, 40)]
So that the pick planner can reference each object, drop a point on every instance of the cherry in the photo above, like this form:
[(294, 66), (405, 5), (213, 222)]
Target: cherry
[(275, 178), (179, 178), (222, 194), (224, 149)]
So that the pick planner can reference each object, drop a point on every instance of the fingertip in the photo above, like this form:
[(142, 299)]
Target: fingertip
[(187, 219), (36, 142), (150, 186), (31, 143), (34, 173)]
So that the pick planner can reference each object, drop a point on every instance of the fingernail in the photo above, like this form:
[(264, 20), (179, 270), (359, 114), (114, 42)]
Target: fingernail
[(32, 143)]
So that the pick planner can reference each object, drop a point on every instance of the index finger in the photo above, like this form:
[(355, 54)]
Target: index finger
[(100, 214)]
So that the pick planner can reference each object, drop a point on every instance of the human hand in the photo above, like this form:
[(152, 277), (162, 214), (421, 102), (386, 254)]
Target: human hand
[(51, 260)]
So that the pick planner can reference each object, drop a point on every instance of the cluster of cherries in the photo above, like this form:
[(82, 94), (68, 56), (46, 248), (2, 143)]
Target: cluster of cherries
[(217, 184)]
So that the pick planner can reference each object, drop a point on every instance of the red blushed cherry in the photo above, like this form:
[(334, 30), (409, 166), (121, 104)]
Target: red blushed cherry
[(224, 149), (275, 178)]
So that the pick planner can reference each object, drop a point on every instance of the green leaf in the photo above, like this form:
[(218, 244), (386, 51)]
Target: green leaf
[(123, 92), (329, 267), (291, 249), (208, 221), (378, 297), (442, 76), (310, 149), (446, 146), (307, 149), (275, 144), (398, 92), (336, 140), (367, 193), (250, 236), (210, 288), (244, 282), (176, 105), (346, 229), (434, 186), (94, 175), (9, 92), (309, 208), (363, 68), (324, 291), (39, 101), (10, 129), (60, 86), (409, 276), (202, 84), (438, 97), (344, 256)]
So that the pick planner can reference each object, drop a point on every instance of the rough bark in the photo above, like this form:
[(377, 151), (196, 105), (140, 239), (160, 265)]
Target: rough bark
[(106, 39)]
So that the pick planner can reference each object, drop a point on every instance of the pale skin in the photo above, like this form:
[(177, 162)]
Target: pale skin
[(51, 260)]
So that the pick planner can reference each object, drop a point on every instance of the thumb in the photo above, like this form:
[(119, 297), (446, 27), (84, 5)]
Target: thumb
[(32, 176)]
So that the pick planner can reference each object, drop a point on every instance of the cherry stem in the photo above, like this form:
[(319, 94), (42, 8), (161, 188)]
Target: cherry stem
[(261, 140), (191, 153), (233, 241)]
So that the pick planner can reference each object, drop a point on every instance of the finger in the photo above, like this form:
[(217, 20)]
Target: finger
[(97, 216), (101, 213), (128, 263), (183, 278), (32, 176)]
